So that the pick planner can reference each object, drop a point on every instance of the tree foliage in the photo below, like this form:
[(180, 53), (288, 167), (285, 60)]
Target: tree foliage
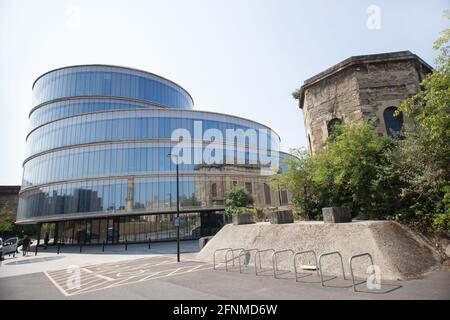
[(6, 218), (298, 180), (238, 198), (346, 171), (423, 158)]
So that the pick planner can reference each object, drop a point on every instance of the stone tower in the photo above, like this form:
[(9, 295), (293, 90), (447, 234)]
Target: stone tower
[(359, 88)]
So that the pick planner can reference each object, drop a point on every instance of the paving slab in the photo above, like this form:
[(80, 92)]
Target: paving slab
[(161, 277)]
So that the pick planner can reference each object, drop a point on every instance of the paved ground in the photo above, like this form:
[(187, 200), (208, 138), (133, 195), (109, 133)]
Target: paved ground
[(161, 277), (49, 260)]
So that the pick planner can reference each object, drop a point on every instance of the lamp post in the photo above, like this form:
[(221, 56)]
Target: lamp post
[(178, 207), (279, 191)]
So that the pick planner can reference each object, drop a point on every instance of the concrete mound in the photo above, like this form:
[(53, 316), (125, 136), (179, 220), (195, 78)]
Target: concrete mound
[(399, 252)]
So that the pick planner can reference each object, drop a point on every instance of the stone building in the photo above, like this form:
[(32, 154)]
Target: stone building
[(360, 88), (213, 191)]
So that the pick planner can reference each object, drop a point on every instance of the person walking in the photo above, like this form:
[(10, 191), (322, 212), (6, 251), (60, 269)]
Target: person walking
[(26, 243), (46, 239)]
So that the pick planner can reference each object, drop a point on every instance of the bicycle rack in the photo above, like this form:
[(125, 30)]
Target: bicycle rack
[(214, 256), (232, 256), (351, 269), (274, 260), (301, 253), (258, 254), (241, 254), (320, 264)]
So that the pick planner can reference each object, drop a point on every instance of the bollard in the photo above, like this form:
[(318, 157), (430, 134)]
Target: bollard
[(81, 247), (103, 248), (149, 242), (36, 250), (59, 248), (126, 244)]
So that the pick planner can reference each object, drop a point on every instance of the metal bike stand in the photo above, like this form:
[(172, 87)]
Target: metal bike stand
[(214, 255), (258, 254), (351, 268), (274, 260), (243, 253), (232, 256), (302, 253), (320, 264)]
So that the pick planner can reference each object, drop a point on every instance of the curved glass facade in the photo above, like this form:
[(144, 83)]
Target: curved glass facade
[(77, 106), (128, 125), (98, 146), (109, 81)]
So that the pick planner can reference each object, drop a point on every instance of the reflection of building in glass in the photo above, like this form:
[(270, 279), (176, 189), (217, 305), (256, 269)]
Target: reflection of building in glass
[(97, 167), (214, 181), (10, 195)]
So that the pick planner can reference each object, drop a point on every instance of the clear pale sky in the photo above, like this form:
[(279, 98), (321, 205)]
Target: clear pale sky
[(242, 57)]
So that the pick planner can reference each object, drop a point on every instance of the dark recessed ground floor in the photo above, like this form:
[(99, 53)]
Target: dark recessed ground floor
[(132, 229)]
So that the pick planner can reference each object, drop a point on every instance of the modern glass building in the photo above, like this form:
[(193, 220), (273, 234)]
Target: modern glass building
[(97, 167)]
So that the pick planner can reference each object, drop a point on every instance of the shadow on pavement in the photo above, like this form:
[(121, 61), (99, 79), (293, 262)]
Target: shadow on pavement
[(385, 288), (122, 248), (34, 260)]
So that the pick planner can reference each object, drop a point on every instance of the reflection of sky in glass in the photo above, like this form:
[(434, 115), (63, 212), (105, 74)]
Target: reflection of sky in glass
[(109, 155)]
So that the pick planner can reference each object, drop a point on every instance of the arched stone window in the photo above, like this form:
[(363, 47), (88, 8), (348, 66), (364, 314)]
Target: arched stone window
[(309, 143), (267, 194), (331, 126), (214, 190), (284, 197), (392, 122), (249, 187)]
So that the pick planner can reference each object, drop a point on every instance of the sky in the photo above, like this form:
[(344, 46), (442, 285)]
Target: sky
[(240, 57)]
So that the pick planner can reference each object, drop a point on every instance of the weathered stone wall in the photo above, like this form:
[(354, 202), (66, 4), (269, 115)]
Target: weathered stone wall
[(384, 85), (334, 97), (359, 88)]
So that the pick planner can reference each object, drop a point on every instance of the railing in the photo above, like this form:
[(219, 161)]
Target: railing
[(302, 253), (351, 268), (214, 255), (232, 256), (274, 260), (320, 264), (258, 254)]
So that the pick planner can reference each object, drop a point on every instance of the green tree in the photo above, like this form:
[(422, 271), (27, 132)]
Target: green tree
[(237, 199), (6, 218), (423, 158), (346, 172), (430, 108), (298, 181)]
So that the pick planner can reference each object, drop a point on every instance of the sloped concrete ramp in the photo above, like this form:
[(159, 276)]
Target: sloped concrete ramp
[(399, 252)]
